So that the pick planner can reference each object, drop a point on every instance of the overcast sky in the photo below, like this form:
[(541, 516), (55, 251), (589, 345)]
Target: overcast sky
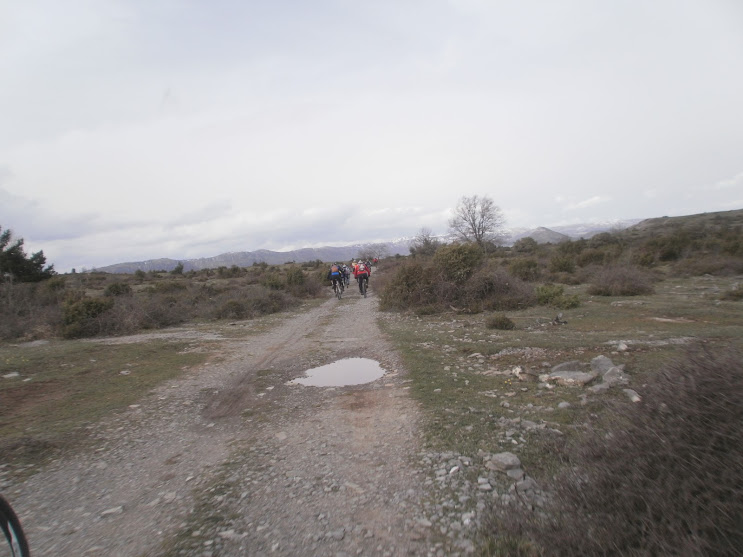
[(137, 129)]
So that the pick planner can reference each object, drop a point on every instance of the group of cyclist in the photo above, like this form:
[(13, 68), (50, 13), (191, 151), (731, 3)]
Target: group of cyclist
[(340, 274)]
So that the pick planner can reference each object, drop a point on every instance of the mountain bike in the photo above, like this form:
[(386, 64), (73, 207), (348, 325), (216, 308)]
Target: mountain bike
[(338, 288), (363, 284), (17, 545)]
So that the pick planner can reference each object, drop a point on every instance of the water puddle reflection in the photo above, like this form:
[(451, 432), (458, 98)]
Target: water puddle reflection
[(349, 371)]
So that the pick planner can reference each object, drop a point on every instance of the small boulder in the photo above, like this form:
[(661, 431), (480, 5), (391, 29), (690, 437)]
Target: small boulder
[(601, 364), (572, 377), (503, 462)]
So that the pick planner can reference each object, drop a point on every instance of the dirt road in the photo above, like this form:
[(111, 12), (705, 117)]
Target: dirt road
[(232, 460)]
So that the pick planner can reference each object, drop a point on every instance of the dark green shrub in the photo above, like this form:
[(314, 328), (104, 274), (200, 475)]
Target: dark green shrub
[(166, 286), (295, 277), (525, 245), (592, 256), (525, 269), (273, 281), (553, 295), (644, 259), (118, 289), (500, 322), (81, 317), (571, 247), (624, 280), (458, 262), (140, 275), (562, 264), (547, 293), (55, 284)]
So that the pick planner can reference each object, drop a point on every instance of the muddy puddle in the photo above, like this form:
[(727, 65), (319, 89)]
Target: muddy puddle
[(349, 371)]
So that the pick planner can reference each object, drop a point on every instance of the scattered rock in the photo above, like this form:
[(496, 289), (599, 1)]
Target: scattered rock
[(112, 511), (601, 364), (572, 377), (503, 462), (633, 396)]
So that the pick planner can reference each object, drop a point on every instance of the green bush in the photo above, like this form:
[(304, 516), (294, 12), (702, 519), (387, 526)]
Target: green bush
[(553, 295), (295, 277), (525, 269), (562, 264), (500, 322), (458, 262), (81, 317), (525, 245), (273, 281), (118, 289), (592, 256), (167, 286), (547, 293)]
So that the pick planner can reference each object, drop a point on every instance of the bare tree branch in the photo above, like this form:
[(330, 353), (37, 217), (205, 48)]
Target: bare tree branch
[(477, 219)]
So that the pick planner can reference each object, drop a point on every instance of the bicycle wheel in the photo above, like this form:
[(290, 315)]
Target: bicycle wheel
[(338, 290), (364, 284), (15, 544)]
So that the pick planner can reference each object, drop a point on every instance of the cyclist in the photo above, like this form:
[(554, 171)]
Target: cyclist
[(346, 274), (335, 276), (361, 272)]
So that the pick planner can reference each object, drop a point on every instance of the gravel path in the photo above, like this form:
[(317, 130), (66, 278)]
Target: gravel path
[(232, 460)]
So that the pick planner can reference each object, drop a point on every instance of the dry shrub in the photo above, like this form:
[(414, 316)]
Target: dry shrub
[(497, 290), (425, 287), (664, 479), (733, 295), (500, 322), (412, 285), (621, 280), (718, 265)]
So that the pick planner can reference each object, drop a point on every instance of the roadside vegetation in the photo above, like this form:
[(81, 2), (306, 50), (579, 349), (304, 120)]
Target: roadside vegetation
[(480, 325), (81, 305), (477, 324)]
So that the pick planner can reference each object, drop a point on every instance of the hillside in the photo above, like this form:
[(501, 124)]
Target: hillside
[(632, 230)]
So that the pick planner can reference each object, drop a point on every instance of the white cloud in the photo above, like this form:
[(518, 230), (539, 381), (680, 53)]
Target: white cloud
[(179, 129), (590, 202), (734, 182)]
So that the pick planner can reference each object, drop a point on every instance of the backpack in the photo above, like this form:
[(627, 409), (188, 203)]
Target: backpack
[(362, 268), (334, 269)]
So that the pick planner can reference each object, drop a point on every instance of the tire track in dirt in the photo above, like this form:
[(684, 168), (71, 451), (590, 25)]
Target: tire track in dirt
[(352, 447)]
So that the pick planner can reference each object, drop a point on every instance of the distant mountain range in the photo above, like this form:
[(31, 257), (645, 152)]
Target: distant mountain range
[(542, 235)]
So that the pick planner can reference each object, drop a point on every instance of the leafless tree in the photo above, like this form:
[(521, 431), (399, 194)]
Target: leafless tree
[(372, 251), (424, 243), (477, 219)]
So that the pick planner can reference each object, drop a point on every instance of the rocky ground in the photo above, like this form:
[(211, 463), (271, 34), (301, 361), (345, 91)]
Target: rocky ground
[(232, 460)]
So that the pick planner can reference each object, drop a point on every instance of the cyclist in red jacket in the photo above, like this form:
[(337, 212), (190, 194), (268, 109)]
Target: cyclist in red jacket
[(361, 272)]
